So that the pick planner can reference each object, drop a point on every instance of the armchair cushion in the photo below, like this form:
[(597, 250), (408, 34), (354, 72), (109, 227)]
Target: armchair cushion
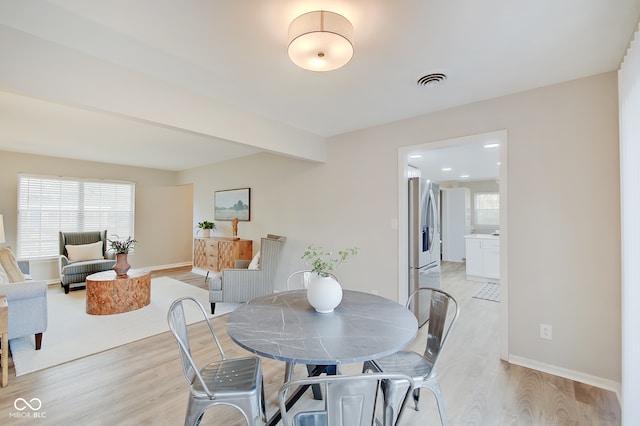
[(10, 266), (82, 252), (255, 262)]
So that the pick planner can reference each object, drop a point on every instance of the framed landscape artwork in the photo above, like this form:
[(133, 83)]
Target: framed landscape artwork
[(232, 203)]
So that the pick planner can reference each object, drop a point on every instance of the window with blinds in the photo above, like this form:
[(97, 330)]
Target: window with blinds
[(48, 205), (487, 209)]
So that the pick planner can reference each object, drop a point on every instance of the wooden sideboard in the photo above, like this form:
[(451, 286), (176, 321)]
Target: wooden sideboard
[(216, 253)]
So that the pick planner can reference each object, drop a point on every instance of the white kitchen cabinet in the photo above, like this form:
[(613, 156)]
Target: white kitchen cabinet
[(482, 257)]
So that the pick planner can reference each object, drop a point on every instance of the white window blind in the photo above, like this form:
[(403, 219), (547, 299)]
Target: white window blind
[(487, 208), (48, 205)]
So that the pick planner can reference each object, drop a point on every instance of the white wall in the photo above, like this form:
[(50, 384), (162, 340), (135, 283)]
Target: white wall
[(564, 256), (629, 93)]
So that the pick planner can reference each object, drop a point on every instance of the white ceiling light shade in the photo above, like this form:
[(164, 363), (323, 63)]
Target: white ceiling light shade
[(320, 41)]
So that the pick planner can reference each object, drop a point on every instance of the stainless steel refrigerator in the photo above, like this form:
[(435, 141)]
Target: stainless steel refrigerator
[(424, 242)]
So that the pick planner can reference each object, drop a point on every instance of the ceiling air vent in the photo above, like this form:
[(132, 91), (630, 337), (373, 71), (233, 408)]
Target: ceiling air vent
[(431, 79)]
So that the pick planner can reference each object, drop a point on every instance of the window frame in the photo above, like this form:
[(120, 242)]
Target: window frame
[(475, 210), (86, 205)]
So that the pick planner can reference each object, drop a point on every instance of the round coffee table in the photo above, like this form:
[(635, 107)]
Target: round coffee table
[(109, 293)]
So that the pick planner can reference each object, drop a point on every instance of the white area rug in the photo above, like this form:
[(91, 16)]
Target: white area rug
[(73, 334), (489, 291)]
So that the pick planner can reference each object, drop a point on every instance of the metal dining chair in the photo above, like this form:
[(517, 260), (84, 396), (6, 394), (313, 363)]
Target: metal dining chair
[(235, 382), (421, 367), (349, 400)]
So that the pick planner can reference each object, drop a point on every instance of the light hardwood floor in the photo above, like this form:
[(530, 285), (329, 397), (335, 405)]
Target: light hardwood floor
[(142, 383)]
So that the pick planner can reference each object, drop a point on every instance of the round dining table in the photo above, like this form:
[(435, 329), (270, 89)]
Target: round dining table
[(284, 326)]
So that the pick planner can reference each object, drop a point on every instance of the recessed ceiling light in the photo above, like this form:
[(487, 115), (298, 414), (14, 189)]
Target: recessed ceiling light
[(415, 156), (498, 163), (446, 169), (492, 145), (464, 176)]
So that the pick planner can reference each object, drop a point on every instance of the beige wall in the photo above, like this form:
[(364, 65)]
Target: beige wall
[(164, 211), (564, 216), (563, 204)]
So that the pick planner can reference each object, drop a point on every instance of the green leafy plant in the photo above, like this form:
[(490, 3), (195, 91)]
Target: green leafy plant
[(206, 225), (120, 246), (324, 262)]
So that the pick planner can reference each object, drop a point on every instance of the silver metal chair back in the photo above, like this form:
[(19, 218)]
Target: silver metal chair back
[(299, 280), (234, 382), (349, 400), (438, 309), (422, 367)]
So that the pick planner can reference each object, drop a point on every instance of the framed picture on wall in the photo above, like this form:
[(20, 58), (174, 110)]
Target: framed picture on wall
[(232, 203)]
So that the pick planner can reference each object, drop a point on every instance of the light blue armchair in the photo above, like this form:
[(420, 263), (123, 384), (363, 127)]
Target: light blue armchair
[(27, 307)]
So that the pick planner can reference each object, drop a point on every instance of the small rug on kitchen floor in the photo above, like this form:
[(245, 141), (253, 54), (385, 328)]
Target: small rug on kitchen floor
[(489, 291), (73, 334)]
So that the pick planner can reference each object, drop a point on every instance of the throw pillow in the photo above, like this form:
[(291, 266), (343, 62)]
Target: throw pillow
[(4, 279), (10, 266), (84, 252), (255, 262)]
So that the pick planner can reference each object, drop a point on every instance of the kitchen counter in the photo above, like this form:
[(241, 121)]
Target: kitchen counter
[(482, 257), (483, 236)]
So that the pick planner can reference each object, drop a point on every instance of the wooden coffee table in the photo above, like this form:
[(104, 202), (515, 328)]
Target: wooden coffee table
[(108, 293)]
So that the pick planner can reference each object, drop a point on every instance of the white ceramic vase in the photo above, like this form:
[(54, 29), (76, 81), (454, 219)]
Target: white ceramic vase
[(206, 233), (324, 293)]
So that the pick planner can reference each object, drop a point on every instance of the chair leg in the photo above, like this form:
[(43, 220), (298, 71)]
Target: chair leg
[(434, 386), (213, 308), (66, 289), (38, 341)]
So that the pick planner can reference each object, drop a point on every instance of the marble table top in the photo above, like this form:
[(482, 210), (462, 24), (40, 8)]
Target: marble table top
[(285, 327)]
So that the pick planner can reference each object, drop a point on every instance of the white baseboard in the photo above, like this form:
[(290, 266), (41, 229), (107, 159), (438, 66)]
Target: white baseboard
[(569, 374), (173, 265), (52, 281)]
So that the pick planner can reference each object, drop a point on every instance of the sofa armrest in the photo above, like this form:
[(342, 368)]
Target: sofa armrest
[(27, 308), (24, 290), (63, 261)]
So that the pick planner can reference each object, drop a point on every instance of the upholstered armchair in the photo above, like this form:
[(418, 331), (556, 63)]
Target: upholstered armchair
[(83, 254), (246, 281), (27, 301)]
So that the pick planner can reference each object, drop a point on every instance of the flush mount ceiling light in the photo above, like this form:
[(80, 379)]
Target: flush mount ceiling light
[(320, 41)]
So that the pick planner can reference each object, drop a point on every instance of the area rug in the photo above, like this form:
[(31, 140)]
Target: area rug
[(489, 291), (74, 334)]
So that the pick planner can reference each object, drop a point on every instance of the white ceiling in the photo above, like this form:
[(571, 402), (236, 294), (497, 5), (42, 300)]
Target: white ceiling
[(476, 159), (186, 83)]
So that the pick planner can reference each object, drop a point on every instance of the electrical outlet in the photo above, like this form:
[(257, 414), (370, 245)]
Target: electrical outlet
[(546, 332)]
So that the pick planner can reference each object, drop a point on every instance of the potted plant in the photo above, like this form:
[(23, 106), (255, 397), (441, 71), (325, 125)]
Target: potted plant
[(324, 292), (324, 262), (121, 248), (206, 227)]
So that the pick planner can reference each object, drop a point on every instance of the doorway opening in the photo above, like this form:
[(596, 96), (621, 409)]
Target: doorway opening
[(405, 170)]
